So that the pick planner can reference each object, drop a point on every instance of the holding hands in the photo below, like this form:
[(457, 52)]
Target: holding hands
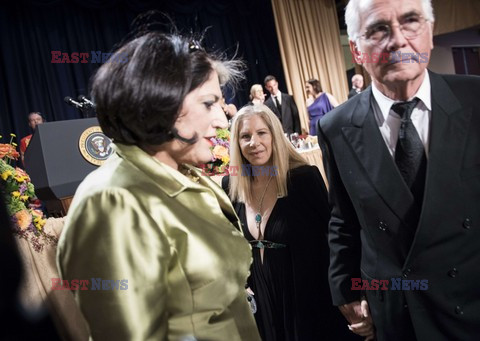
[(358, 315)]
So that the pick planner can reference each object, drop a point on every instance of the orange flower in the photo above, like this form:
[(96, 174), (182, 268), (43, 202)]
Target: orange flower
[(220, 152), (24, 219), (9, 151)]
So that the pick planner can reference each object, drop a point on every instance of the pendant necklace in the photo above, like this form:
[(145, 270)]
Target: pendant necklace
[(258, 216)]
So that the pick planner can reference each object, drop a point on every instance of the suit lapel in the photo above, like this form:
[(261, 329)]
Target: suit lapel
[(449, 128), (369, 147), (274, 107), (283, 104)]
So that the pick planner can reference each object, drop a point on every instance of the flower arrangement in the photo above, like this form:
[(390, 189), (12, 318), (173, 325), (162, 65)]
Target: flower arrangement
[(220, 153), (27, 220), (8, 151)]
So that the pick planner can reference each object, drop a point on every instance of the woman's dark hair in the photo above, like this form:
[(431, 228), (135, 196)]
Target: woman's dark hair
[(139, 92), (317, 87)]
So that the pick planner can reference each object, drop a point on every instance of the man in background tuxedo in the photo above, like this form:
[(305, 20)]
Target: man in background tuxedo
[(404, 171), (357, 85), (283, 106)]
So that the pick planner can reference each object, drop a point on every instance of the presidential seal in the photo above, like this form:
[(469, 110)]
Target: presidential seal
[(95, 145)]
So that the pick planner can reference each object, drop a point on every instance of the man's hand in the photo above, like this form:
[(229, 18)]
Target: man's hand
[(358, 315)]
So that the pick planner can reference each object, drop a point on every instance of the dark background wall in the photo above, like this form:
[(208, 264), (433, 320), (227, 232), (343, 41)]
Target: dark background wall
[(30, 30)]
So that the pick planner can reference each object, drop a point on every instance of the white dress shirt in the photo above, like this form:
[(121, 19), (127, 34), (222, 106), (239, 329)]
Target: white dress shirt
[(389, 121)]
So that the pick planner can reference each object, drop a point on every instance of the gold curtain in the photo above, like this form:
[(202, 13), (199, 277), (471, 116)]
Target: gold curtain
[(310, 47), (455, 15)]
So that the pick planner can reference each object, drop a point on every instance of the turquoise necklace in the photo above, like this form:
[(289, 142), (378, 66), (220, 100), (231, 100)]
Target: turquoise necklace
[(258, 216)]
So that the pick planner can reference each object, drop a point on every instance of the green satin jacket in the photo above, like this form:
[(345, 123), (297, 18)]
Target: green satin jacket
[(166, 249)]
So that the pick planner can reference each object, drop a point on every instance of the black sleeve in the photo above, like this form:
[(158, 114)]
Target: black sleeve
[(226, 183), (295, 117), (343, 232), (310, 214)]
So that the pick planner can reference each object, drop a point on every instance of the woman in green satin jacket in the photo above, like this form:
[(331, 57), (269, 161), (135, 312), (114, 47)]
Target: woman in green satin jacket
[(159, 243)]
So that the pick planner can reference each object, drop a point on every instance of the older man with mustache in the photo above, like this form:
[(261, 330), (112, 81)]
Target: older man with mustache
[(403, 162)]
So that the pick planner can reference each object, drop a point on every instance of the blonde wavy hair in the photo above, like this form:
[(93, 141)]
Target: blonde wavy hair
[(253, 89), (284, 156)]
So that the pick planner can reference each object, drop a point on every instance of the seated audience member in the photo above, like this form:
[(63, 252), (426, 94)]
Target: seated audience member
[(34, 119), (357, 85), (166, 237), (318, 103), (283, 207)]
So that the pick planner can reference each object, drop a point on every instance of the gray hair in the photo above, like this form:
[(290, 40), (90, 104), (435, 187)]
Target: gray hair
[(356, 7)]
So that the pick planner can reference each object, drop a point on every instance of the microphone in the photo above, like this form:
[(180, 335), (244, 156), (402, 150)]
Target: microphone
[(69, 100), (85, 101)]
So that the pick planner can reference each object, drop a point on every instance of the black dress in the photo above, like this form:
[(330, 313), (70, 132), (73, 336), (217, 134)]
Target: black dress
[(291, 285)]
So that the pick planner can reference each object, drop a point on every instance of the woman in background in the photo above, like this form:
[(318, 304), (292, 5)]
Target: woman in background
[(283, 207), (318, 103), (163, 238), (256, 95)]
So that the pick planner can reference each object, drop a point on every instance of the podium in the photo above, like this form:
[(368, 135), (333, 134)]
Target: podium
[(57, 162)]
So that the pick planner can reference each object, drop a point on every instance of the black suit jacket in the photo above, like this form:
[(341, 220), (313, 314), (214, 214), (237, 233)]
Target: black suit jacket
[(371, 234), (289, 115)]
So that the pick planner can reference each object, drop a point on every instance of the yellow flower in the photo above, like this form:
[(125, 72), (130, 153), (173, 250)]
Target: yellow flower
[(24, 197), (6, 174), (20, 178), (21, 172), (24, 219), (14, 144), (13, 135), (15, 194), (225, 159), (40, 223)]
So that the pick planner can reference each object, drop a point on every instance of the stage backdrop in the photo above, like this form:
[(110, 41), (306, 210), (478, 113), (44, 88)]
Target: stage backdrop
[(31, 30)]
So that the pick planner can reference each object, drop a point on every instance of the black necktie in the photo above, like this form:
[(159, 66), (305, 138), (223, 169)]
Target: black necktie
[(409, 152), (277, 103)]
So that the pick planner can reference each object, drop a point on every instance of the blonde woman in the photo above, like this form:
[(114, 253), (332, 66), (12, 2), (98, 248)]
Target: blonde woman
[(282, 205), (257, 95)]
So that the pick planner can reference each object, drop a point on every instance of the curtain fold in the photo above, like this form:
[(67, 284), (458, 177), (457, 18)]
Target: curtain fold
[(309, 39), (454, 15)]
